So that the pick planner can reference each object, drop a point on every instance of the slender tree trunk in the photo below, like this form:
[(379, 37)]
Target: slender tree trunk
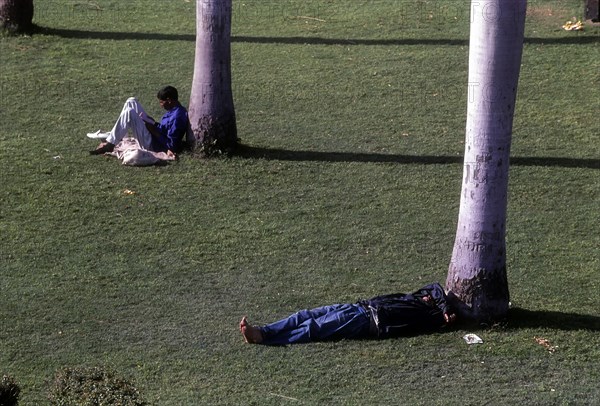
[(16, 16), (592, 10), (477, 275), (211, 110)]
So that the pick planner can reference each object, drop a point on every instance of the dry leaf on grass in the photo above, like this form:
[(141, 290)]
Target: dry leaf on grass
[(545, 343), (573, 25)]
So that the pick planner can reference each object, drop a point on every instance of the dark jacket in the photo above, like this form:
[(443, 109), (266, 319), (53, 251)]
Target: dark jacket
[(408, 314)]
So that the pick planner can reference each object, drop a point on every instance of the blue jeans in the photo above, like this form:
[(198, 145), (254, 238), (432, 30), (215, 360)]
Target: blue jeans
[(332, 322)]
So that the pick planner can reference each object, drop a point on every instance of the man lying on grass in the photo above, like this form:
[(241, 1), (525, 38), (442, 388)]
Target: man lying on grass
[(423, 311), (166, 136)]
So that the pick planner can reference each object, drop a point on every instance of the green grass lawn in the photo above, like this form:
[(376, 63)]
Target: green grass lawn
[(353, 115)]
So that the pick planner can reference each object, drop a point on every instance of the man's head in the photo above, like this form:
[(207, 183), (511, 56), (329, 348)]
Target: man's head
[(168, 97)]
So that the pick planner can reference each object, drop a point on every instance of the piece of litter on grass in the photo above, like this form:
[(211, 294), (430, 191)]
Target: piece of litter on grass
[(545, 343), (573, 25), (128, 192), (473, 339), (57, 157)]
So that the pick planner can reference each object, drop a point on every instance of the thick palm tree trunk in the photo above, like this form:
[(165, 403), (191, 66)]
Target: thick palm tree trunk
[(592, 10), (211, 110), (16, 15), (477, 274)]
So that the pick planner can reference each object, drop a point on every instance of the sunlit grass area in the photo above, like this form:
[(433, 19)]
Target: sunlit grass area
[(352, 116)]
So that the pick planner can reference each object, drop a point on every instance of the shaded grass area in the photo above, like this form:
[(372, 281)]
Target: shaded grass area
[(352, 117)]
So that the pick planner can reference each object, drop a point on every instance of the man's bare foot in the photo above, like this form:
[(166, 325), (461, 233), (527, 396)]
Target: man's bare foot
[(103, 148), (252, 334)]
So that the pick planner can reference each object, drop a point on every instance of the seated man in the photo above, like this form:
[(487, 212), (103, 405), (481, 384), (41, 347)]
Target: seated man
[(166, 136), (423, 311)]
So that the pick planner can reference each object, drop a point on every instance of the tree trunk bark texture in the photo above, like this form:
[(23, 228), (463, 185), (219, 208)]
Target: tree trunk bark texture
[(477, 276), (16, 16), (211, 110), (592, 10)]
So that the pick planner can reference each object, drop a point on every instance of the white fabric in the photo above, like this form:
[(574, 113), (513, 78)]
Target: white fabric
[(130, 119), (138, 157), (129, 152)]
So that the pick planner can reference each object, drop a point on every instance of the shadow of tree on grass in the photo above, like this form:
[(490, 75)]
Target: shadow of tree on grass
[(155, 36), (251, 152), (524, 318)]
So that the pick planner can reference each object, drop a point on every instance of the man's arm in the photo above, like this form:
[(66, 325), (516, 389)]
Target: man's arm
[(152, 127), (153, 130), (171, 130), (437, 294), (177, 130), (156, 134)]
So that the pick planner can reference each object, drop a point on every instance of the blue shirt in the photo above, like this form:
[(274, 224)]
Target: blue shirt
[(173, 127)]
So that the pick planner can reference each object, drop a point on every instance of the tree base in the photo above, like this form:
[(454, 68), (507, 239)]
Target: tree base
[(16, 17), (10, 29), (215, 136), (483, 298)]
